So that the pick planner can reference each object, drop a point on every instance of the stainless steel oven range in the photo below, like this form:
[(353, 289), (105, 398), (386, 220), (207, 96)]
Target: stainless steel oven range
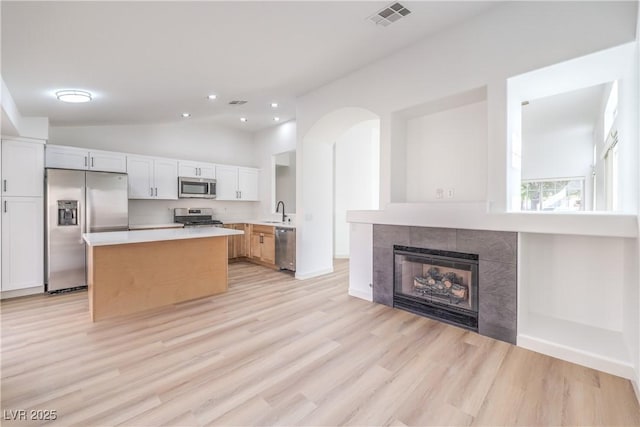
[(195, 217)]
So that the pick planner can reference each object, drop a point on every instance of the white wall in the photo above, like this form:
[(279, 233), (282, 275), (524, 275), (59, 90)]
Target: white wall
[(161, 211), (633, 336), (186, 140), (274, 140), (356, 178), (448, 150), (361, 261), (13, 123), (510, 39), (285, 182)]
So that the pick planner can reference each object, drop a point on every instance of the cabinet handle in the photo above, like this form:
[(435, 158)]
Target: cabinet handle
[(4, 183), (91, 161), (86, 161), (156, 191), (5, 206), (199, 172), (261, 237), (151, 189)]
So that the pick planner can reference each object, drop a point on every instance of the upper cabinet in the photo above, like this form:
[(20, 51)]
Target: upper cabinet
[(196, 169), (152, 178), (236, 183), (248, 183), (22, 168), (62, 157)]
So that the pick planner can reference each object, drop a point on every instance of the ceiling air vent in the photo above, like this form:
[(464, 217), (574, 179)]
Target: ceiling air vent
[(389, 14), (237, 102)]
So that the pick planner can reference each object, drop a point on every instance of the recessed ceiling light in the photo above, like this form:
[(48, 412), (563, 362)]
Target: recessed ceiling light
[(276, 119), (243, 119), (212, 96), (73, 95), (274, 105), (186, 115)]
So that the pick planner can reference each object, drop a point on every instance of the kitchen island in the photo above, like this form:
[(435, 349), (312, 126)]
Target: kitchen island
[(133, 271)]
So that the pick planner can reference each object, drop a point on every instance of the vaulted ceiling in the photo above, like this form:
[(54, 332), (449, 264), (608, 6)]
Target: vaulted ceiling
[(148, 62)]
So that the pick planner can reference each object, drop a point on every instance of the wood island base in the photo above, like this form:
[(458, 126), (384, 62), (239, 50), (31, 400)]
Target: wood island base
[(133, 277)]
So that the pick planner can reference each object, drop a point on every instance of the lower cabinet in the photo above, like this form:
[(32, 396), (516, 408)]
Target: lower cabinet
[(239, 244), (22, 242), (263, 244), (257, 244)]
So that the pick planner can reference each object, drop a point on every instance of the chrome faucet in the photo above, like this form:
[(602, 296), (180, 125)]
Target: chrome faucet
[(278, 209)]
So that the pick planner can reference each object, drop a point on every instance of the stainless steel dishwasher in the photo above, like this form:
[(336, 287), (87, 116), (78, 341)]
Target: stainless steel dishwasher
[(286, 248)]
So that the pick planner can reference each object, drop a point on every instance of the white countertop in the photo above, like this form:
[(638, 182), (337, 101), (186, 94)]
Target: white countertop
[(141, 236), (264, 222), (152, 226)]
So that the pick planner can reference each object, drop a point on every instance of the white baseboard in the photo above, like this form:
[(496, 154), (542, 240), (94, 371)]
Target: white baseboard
[(311, 274), (605, 364), (21, 292), (358, 293), (636, 388)]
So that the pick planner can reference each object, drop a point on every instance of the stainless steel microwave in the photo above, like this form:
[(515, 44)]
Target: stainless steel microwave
[(199, 188)]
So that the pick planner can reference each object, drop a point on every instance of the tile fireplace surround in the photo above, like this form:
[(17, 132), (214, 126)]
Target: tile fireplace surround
[(497, 251)]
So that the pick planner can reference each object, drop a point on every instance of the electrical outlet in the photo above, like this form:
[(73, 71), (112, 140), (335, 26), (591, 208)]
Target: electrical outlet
[(439, 193), (450, 193)]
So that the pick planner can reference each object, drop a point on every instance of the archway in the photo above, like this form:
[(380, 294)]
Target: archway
[(315, 192)]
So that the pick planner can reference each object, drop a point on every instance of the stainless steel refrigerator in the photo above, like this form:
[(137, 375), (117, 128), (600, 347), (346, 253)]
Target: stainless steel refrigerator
[(79, 202)]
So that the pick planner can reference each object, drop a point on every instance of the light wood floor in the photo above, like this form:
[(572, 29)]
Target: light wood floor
[(275, 351)]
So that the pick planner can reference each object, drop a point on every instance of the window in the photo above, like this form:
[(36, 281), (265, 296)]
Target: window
[(552, 195)]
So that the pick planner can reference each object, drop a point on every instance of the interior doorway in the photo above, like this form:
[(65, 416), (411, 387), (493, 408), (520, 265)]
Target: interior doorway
[(316, 200)]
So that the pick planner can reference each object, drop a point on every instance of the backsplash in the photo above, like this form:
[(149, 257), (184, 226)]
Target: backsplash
[(161, 211)]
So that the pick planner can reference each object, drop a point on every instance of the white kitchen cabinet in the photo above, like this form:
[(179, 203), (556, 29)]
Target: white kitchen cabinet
[(22, 168), (22, 242), (196, 169), (63, 157), (165, 172), (152, 178), (107, 161), (140, 171), (248, 184), (226, 182), (236, 183)]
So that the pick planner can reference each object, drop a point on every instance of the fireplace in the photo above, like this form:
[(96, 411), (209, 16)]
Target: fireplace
[(442, 285)]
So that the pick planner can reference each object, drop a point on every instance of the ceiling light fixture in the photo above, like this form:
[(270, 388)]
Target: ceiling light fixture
[(212, 96), (73, 95), (186, 115), (274, 105), (276, 119), (243, 119)]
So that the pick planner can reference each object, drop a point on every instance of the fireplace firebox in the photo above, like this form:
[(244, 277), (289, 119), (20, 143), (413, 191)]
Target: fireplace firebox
[(442, 285)]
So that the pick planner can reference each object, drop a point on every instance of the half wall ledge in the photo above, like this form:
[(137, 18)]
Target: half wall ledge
[(475, 217)]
